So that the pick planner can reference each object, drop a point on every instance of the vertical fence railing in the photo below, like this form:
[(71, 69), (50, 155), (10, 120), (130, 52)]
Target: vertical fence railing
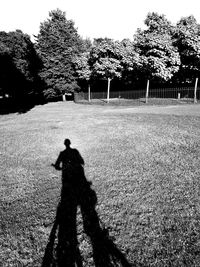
[(185, 94)]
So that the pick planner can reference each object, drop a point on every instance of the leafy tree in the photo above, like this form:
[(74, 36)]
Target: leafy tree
[(109, 60), (83, 70), (160, 58), (58, 43), (157, 23), (129, 59), (82, 66), (19, 65), (87, 45), (188, 42), (104, 61)]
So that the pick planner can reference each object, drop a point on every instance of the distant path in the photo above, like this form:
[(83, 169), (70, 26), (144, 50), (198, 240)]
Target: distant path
[(181, 110)]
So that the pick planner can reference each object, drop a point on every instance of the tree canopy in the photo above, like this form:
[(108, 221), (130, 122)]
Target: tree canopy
[(104, 59), (58, 43), (19, 65), (188, 42), (160, 58), (61, 61)]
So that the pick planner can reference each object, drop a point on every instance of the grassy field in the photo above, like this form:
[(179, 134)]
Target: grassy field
[(144, 166), (138, 102)]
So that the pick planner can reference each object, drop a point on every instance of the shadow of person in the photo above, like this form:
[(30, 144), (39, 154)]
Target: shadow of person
[(62, 248)]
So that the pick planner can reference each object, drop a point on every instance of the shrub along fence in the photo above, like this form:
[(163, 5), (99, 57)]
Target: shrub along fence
[(188, 94)]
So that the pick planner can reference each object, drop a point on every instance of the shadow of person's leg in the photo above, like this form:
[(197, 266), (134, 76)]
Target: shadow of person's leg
[(67, 249), (62, 249), (105, 252), (48, 259)]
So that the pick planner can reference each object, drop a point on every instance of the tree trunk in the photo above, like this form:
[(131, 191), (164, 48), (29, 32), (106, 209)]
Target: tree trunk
[(147, 92), (108, 91), (195, 91), (89, 93), (63, 97)]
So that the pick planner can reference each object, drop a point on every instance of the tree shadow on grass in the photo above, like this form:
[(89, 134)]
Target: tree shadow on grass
[(63, 248)]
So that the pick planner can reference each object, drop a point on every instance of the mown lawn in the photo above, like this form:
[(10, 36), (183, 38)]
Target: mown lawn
[(144, 169)]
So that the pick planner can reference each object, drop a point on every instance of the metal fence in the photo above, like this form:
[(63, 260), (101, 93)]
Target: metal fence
[(184, 93)]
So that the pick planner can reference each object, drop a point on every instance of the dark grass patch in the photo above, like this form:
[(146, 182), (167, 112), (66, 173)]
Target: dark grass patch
[(144, 169)]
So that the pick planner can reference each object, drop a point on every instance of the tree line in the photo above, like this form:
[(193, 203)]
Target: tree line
[(61, 61)]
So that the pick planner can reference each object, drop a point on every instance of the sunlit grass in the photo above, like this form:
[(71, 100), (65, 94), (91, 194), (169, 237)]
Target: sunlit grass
[(144, 169)]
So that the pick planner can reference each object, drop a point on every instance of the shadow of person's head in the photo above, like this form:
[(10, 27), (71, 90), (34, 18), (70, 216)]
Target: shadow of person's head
[(67, 143)]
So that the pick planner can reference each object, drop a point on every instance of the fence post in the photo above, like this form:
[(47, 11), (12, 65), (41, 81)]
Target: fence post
[(147, 91), (195, 91)]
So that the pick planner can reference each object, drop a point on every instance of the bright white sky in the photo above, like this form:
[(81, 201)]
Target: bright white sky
[(103, 18)]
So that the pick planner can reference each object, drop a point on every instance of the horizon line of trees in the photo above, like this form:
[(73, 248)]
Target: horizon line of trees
[(60, 61)]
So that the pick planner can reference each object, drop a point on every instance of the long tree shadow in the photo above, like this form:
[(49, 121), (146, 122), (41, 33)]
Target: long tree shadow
[(63, 248)]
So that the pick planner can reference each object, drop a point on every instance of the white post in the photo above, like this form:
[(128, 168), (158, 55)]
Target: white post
[(179, 96), (147, 91), (195, 91), (108, 91), (89, 99)]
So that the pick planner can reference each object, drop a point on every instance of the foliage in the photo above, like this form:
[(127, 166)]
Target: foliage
[(87, 44), (104, 60), (65, 61), (19, 65), (188, 42), (160, 59), (158, 23), (161, 52), (57, 44), (82, 66), (129, 59), (107, 59)]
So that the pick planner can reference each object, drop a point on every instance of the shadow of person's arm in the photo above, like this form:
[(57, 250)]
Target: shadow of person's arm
[(58, 162)]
